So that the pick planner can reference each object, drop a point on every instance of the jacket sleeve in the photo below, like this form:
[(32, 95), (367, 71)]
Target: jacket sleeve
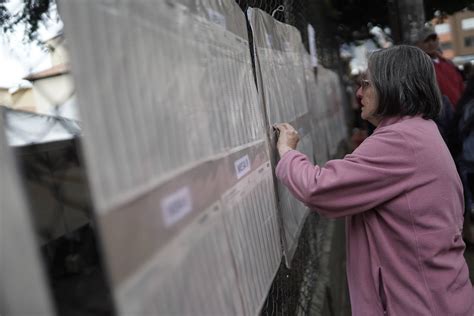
[(377, 171)]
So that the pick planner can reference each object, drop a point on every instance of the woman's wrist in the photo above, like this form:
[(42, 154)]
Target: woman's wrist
[(283, 150)]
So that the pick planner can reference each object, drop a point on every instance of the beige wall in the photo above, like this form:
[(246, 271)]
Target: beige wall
[(52, 91), (47, 92), (42, 97), (462, 33), (457, 34), (5, 97), (23, 99)]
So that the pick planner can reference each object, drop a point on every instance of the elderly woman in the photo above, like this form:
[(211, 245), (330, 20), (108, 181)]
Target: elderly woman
[(400, 194)]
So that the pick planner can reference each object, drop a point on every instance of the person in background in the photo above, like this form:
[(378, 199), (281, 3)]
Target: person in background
[(451, 84), (464, 124), (445, 122), (467, 71), (449, 78), (399, 192)]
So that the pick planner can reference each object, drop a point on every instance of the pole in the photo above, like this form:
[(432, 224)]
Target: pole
[(411, 16)]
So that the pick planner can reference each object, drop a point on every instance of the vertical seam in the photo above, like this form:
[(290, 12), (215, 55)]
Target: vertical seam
[(415, 235), (418, 259)]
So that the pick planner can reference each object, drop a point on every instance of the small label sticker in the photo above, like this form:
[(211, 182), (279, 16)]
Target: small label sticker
[(216, 17), (312, 45), (242, 166), (176, 206)]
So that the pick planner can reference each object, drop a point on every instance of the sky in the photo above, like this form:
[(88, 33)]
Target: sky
[(17, 58)]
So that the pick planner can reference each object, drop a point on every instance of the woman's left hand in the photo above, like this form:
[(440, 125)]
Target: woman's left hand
[(288, 138)]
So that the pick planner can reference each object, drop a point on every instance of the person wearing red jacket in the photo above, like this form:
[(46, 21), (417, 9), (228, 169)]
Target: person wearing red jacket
[(449, 79)]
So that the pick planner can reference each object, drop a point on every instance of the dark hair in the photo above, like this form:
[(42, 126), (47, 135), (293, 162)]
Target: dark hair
[(405, 81)]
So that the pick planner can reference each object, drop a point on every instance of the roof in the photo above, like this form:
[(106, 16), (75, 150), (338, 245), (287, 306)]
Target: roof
[(57, 35), (51, 72), (22, 85)]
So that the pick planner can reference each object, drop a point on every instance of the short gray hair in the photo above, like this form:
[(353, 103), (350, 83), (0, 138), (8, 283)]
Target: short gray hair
[(405, 81)]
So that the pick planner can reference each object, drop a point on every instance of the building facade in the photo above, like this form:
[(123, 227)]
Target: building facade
[(456, 36)]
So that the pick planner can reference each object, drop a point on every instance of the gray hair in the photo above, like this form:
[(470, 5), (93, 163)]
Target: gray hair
[(405, 81)]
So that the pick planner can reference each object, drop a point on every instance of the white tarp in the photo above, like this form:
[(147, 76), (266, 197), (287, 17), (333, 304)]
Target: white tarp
[(23, 288), (26, 128), (176, 151), (281, 79)]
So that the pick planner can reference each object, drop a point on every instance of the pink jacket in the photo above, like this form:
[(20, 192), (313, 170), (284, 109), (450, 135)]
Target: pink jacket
[(403, 203)]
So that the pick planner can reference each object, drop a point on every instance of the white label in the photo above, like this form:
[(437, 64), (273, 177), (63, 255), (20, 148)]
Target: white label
[(176, 206), (242, 166), (442, 28), (467, 24), (312, 46), (216, 17)]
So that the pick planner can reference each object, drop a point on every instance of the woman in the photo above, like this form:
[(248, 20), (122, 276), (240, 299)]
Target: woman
[(400, 194)]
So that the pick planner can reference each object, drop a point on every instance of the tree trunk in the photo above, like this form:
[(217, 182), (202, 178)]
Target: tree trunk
[(411, 18)]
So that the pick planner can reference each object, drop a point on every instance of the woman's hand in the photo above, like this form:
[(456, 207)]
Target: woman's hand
[(288, 138)]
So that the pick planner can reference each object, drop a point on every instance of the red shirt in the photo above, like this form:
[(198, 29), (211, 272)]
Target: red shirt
[(449, 80)]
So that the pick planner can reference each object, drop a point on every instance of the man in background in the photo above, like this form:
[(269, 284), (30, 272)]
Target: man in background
[(451, 85), (449, 79)]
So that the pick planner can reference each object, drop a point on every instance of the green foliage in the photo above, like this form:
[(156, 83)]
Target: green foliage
[(32, 14)]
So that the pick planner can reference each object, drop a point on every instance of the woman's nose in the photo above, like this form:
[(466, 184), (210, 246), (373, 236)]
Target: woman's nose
[(359, 93)]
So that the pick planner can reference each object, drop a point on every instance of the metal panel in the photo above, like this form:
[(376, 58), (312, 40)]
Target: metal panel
[(281, 80), (174, 140), (23, 288)]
